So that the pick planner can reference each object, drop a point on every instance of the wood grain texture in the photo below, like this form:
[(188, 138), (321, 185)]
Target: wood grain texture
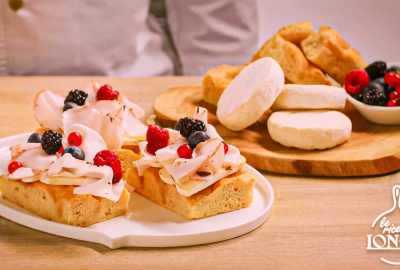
[(371, 150), (316, 223)]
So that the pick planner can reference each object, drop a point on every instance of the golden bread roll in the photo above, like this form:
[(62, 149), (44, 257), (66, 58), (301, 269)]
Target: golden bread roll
[(294, 64), (330, 52), (216, 80), (296, 32)]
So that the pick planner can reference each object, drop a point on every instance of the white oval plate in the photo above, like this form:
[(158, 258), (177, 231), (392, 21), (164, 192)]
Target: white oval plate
[(148, 224)]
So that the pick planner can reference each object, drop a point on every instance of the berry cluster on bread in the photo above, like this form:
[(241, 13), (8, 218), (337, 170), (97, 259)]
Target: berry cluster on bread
[(190, 169), (74, 180)]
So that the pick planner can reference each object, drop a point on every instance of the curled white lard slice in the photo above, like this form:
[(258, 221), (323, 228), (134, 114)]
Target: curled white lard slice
[(91, 89), (131, 122), (170, 153), (98, 180), (48, 108), (5, 157), (92, 142), (31, 155), (104, 117), (183, 167), (212, 132), (146, 160), (132, 107), (21, 173), (201, 114)]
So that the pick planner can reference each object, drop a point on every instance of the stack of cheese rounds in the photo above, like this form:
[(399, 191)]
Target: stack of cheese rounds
[(305, 116)]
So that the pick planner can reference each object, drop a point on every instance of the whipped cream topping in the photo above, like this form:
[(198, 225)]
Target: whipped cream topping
[(92, 142), (207, 165), (48, 108), (97, 179)]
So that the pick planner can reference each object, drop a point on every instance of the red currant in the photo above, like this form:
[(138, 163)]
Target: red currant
[(61, 150), (74, 139), (392, 78), (394, 95), (185, 151), (226, 147), (13, 166), (393, 103)]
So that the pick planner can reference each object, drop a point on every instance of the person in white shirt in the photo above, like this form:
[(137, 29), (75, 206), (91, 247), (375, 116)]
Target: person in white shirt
[(120, 38)]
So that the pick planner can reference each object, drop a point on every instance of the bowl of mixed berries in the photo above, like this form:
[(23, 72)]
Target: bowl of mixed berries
[(375, 92)]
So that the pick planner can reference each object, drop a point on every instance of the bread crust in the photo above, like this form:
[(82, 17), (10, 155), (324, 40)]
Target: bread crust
[(294, 64), (296, 32), (230, 193), (59, 204), (330, 52)]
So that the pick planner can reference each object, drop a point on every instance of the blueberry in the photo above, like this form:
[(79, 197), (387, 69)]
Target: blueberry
[(35, 138), (197, 137), (75, 151), (394, 68), (69, 105)]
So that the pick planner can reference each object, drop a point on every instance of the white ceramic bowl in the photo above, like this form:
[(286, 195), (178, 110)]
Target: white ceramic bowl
[(377, 114)]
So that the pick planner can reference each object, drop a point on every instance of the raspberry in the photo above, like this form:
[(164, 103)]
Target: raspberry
[(51, 142), (109, 158), (157, 138), (107, 93), (356, 81), (184, 151), (376, 70), (77, 96), (189, 125)]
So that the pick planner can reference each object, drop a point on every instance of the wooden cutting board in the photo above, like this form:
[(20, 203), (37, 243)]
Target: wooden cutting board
[(371, 150)]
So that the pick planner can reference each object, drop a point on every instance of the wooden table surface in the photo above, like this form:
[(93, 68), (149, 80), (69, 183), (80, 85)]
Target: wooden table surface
[(315, 222)]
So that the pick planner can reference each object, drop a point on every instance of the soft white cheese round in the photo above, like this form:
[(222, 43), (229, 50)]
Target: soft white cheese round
[(308, 130), (296, 96), (250, 94)]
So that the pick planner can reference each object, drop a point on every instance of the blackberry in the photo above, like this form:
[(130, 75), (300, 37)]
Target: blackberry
[(77, 96), (189, 125), (374, 94), (358, 97), (51, 142), (376, 70)]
